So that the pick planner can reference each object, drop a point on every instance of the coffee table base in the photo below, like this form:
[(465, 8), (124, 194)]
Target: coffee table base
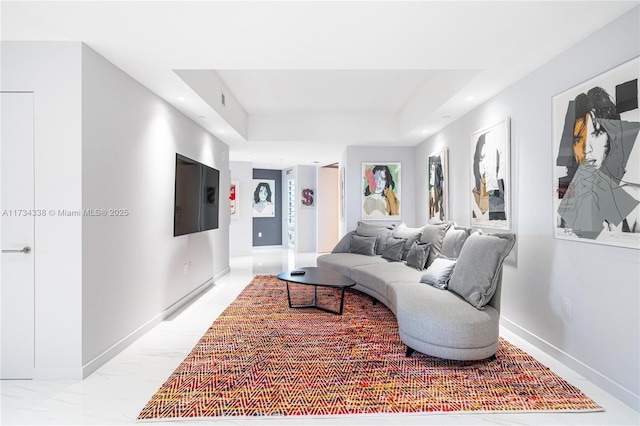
[(314, 304)]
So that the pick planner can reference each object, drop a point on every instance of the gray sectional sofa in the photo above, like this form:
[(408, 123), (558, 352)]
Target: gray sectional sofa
[(441, 281)]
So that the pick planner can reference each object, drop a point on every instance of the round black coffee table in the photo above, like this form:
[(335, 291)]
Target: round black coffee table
[(317, 277)]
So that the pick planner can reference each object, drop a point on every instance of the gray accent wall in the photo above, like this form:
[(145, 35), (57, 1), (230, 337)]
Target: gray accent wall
[(267, 231)]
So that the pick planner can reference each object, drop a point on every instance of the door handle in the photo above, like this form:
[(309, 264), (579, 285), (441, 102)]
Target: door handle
[(25, 250)]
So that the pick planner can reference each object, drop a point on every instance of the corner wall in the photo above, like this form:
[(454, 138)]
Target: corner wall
[(602, 338), (241, 228), (305, 217)]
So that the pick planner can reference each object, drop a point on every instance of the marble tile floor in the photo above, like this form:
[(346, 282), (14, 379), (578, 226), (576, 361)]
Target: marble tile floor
[(115, 394)]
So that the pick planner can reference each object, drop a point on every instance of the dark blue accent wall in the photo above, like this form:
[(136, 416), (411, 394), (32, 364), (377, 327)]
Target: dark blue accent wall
[(270, 227)]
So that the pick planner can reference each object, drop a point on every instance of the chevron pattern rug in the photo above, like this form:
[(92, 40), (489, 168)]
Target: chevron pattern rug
[(261, 358)]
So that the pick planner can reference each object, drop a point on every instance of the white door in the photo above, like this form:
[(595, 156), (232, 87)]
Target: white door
[(16, 236)]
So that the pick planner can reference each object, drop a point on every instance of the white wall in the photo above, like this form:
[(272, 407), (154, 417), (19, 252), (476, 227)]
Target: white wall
[(53, 72), (306, 217), (132, 265), (602, 339), (241, 229), (102, 140)]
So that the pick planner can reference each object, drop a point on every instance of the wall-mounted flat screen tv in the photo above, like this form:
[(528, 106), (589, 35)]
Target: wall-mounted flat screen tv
[(197, 197)]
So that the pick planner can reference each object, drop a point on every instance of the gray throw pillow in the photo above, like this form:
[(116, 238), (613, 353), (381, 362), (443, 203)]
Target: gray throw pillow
[(344, 244), (476, 274), (381, 231), (434, 234), (439, 272), (454, 240), (393, 249), (410, 234), (418, 254), (363, 245)]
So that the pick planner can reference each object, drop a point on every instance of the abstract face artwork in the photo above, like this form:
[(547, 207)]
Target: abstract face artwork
[(264, 198), (438, 186), (597, 160), (381, 191), (490, 176)]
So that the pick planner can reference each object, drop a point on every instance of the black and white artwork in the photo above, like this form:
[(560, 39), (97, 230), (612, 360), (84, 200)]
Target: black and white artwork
[(438, 186), (490, 186), (596, 179), (264, 197)]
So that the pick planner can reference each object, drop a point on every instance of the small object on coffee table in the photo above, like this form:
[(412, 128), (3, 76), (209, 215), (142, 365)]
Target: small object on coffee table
[(317, 277)]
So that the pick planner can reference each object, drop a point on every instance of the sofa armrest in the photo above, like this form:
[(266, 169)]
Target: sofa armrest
[(344, 244)]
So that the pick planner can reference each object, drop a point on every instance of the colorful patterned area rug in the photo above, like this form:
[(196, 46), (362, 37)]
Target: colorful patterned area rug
[(261, 358)]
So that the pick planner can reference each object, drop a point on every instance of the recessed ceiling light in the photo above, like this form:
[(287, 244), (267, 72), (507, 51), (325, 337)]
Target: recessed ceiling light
[(470, 98), (181, 98)]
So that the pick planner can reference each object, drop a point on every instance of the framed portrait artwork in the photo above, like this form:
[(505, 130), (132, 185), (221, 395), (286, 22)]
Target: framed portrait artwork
[(490, 185), (596, 159), (381, 191), (233, 197), (264, 197), (438, 175)]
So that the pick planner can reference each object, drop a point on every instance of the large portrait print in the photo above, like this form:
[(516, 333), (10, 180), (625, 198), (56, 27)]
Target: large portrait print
[(438, 186), (264, 198), (596, 177), (490, 186), (381, 191)]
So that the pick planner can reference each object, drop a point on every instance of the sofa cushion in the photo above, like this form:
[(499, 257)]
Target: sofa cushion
[(344, 244), (394, 249), (363, 245), (418, 255), (442, 318), (434, 234), (454, 240), (382, 232), (479, 265), (439, 272), (378, 276), (344, 262), (411, 235)]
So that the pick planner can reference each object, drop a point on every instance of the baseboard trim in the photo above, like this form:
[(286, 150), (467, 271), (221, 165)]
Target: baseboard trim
[(57, 373), (597, 378), (114, 350)]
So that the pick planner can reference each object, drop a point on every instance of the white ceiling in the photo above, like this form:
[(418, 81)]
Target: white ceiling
[(310, 78), (265, 91)]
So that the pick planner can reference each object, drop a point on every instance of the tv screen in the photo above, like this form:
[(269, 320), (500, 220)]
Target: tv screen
[(197, 197)]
